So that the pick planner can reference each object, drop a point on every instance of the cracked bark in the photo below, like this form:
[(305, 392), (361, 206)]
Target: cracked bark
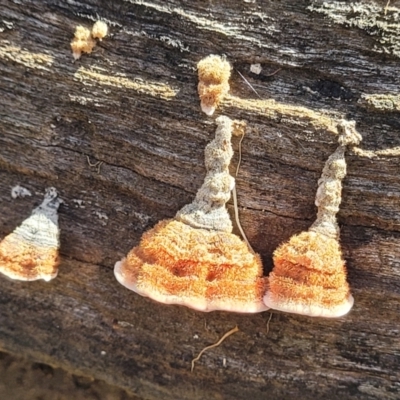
[(132, 105)]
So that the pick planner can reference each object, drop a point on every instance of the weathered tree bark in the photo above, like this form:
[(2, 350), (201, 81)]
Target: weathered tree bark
[(131, 109)]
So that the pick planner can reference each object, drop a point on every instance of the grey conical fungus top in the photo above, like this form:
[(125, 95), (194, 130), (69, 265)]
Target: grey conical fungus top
[(329, 193), (208, 208), (41, 228)]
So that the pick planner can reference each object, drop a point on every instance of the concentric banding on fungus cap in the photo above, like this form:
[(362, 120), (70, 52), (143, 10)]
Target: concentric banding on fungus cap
[(309, 275), (30, 252), (197, 268), (194, 260)]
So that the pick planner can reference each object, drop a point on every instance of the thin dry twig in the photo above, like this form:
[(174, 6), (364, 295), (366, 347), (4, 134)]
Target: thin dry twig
[(269, 320), (240, 155), (235, 207), (298, 141), (235, 202), (232, 331), (273, 73), (249, 84)]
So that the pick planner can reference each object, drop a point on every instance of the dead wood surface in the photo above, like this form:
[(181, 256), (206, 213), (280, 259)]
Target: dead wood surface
[(21, 379), (131, 109)]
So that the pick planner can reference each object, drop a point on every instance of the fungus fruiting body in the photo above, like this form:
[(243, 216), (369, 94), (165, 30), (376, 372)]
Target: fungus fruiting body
[(82, 42), (30, 252), (84, 39), (99, 30), (309, 274), (194, 259), (214, 73)]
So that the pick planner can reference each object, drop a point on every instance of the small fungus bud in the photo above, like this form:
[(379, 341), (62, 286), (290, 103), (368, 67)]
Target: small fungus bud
[(82, 42), (214, 73), (30, 252), (84, 39), (309, 274), (99, 30), (195, 260)]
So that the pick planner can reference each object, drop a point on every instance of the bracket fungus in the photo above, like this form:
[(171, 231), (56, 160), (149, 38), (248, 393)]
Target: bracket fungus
[(194, 259), (30, 252), (214, 73), (309, 274)]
